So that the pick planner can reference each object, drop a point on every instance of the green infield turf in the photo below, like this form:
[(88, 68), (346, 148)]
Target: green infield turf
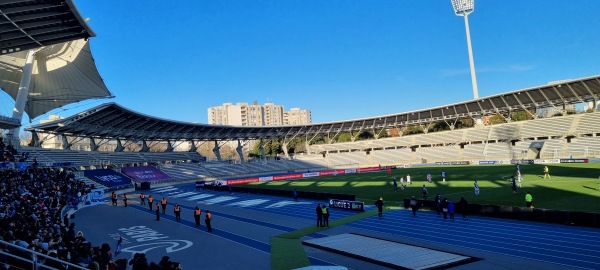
[(571, 186)]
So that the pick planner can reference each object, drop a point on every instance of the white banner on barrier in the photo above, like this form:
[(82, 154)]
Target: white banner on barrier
[(265, 179), (546, 161), (350, 170), (310, 174)]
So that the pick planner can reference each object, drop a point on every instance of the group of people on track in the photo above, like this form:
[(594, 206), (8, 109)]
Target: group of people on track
[(160, 207)]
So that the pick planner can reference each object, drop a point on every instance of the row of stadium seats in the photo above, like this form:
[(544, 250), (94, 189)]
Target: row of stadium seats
[(577, 124)]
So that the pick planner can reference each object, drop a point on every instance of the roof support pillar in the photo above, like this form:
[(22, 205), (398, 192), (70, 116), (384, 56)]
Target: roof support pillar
[(193, 147), (120, 146), (285, 149), (23, 93), (169, 147), (240, 151), (145, 147), (261, 147), (93, 145), (217, 151), (65, 143), (35, 140)]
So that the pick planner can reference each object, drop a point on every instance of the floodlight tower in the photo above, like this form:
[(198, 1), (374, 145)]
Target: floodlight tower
[(464, 8)]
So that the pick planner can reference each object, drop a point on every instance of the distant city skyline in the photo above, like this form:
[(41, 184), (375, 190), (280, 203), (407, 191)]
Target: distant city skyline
[(254, 114)]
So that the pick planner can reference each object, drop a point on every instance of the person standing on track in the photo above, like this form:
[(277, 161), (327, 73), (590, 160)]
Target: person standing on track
[(114, 198), (451, 209), (125, 199), (319, 216), (157, 212), (464, 207), (379, 203), (414, 205), (325, 216), (163, 203), (150, 200), (143, 199), (438, 204), (197, 213), (207, 220), (177, 212)]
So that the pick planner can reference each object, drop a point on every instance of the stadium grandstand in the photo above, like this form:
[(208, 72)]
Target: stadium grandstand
[(52, 49), (564, 135), (46, 63)]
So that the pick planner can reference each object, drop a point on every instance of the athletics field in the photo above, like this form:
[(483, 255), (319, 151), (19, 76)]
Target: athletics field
[(570, 187)]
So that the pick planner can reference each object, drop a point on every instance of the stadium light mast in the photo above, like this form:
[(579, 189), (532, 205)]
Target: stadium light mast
[(464, 8)]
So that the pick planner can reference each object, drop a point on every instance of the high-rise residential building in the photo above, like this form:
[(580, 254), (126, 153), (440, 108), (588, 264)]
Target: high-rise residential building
[(296, 117), (244, 114)]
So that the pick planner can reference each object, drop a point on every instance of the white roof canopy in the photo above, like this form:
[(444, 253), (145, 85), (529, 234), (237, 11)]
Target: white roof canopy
[(62, 74)]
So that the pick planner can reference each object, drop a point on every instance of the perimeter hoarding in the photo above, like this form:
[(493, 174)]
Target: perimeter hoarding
[(145, 174), (107, 177), (294, 176)]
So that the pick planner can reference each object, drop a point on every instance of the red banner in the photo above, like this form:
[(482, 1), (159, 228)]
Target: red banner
[(287, 176), (242, 181), (332, 172), (367, 169)]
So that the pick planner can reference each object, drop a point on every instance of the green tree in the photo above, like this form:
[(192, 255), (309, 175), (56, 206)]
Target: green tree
[(344, 137), (365, 135), (497, 119), (521, 115)]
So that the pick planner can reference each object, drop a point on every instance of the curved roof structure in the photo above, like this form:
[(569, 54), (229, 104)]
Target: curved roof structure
[(64, 70), (62, 74), (26, 25), (112, 121)]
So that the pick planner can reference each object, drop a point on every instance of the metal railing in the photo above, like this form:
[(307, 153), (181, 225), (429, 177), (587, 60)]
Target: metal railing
[(23, 258)]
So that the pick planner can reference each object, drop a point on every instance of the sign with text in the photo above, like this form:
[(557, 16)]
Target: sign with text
[(348, 205), (145, 174), (107, 177), (574, 160), (453, 163)]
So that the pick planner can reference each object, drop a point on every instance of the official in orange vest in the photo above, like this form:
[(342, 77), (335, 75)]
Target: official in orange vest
[(163, 203), (177, 211), (150, 200), (197, 214), (157, 212), (114, 198), (143, 198), (207, 220)]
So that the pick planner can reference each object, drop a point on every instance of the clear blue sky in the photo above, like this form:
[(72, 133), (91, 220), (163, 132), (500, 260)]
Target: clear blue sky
[(342, 59)]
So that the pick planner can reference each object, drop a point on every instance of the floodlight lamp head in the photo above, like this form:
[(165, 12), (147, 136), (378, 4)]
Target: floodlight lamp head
[(463, 7)]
